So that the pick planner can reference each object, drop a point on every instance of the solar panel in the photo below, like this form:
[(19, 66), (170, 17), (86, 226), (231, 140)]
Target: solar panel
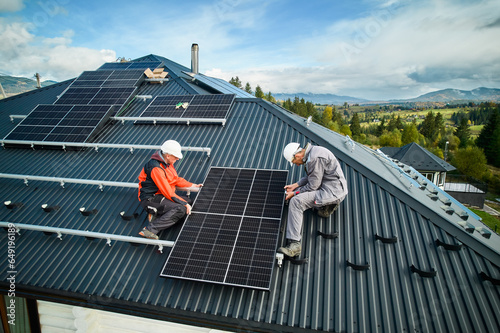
[(231, 236), (61, 123), (95, 95), (109, 78), (190, 106), (130, 65)]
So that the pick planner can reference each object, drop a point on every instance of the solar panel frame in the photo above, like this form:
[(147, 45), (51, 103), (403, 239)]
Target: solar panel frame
[(199, 107), (219, 244), (62, 123)]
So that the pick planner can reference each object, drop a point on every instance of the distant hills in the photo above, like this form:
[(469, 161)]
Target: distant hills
[(443, 96), (16, 85), (321, 98), (453, 95)]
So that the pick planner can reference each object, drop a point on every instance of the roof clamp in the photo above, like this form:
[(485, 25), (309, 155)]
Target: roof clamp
[(123, 121), (208, 152), (26, 181), (131, 150), (3, 145), (224, 123), (96, 148), (18, 231), (160, 248), (101, 187), (108, 241), (59, 235), (279, 257), (64, 147), (154, 122), (32, 146), (62, 183)]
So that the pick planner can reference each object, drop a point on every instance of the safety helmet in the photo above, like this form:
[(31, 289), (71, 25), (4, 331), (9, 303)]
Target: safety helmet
[(171, 147), (290, 150)]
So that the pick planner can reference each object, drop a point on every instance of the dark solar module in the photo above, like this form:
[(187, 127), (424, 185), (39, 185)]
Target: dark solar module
[(190, 106), (231, 237)]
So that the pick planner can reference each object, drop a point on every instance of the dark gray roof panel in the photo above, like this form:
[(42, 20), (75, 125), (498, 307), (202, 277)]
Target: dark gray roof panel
[(324, 295), (418, 157)]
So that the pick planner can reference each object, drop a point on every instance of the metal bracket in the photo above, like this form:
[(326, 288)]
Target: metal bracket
[(160, 248), (131, 150), (279, 257), (26, 181), (101, 187), (108, 241), (59, 235)]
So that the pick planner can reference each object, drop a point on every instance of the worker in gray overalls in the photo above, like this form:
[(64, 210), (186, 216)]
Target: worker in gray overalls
[(323, 188)]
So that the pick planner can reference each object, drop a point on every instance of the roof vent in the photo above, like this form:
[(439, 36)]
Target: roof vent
[(194, 58)]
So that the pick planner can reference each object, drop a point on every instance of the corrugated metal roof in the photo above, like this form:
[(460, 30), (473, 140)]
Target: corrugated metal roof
[(325, 294)]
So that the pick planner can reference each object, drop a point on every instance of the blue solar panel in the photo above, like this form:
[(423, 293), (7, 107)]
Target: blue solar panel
[(232, 234)]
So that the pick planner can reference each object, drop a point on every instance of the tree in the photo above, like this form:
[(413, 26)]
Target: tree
[(269, 97), (391, 139), (345, 130), (258, 92), (471, 161), (428, 127), (248, 89), (463, 133), (235, 81), (327, 116), (355, 125), (380, 128), (489, 138), (410, 134)]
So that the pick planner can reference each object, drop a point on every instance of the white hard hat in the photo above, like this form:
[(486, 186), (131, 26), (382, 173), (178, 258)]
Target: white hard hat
[(290, 150), (171, 147)]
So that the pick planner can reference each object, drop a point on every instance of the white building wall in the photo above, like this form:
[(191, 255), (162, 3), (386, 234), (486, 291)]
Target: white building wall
[(62, 318)]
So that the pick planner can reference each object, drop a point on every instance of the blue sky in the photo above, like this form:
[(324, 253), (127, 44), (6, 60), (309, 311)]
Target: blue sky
[(373, 49)]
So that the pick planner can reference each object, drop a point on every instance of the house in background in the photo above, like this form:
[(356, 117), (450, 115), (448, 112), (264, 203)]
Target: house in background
[(429, 165), (397, 256), (435, 169)]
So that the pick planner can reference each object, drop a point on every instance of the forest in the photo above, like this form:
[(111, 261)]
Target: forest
[(468, 134)]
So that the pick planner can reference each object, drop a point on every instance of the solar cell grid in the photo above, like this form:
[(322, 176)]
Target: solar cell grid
[(223, 241), (60, 123), (198, 106)]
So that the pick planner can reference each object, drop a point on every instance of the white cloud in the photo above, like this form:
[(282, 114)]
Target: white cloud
[(11, 5), (396, 52), (24, 54)]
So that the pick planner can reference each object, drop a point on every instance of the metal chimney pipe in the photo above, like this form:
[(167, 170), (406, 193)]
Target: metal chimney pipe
[(38, 85), (194, 58)]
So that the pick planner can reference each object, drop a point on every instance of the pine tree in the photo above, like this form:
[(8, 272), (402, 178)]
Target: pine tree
[(258, 92), (463, 133), (489, 138), (236, 82), (428, 127), (248, 89), (355, 125)]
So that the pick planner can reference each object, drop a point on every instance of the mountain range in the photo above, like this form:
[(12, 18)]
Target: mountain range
[(443, 96), (13, 85), (16, 85)]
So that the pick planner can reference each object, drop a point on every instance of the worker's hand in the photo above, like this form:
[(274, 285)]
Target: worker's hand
[(291, 187), (188, 209), (289, 195)]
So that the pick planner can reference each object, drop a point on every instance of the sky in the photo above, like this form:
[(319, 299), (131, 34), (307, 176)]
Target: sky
[(371, 49)]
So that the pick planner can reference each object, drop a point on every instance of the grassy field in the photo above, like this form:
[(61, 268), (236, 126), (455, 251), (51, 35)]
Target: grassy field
[(489, 220)]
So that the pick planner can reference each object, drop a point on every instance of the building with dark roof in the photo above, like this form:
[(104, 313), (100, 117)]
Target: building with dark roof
[(407, 256), (422, 160)]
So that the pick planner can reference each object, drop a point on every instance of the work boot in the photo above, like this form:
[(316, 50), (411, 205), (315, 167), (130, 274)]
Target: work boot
[(327, 210), (148, 234), (293, 249)]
